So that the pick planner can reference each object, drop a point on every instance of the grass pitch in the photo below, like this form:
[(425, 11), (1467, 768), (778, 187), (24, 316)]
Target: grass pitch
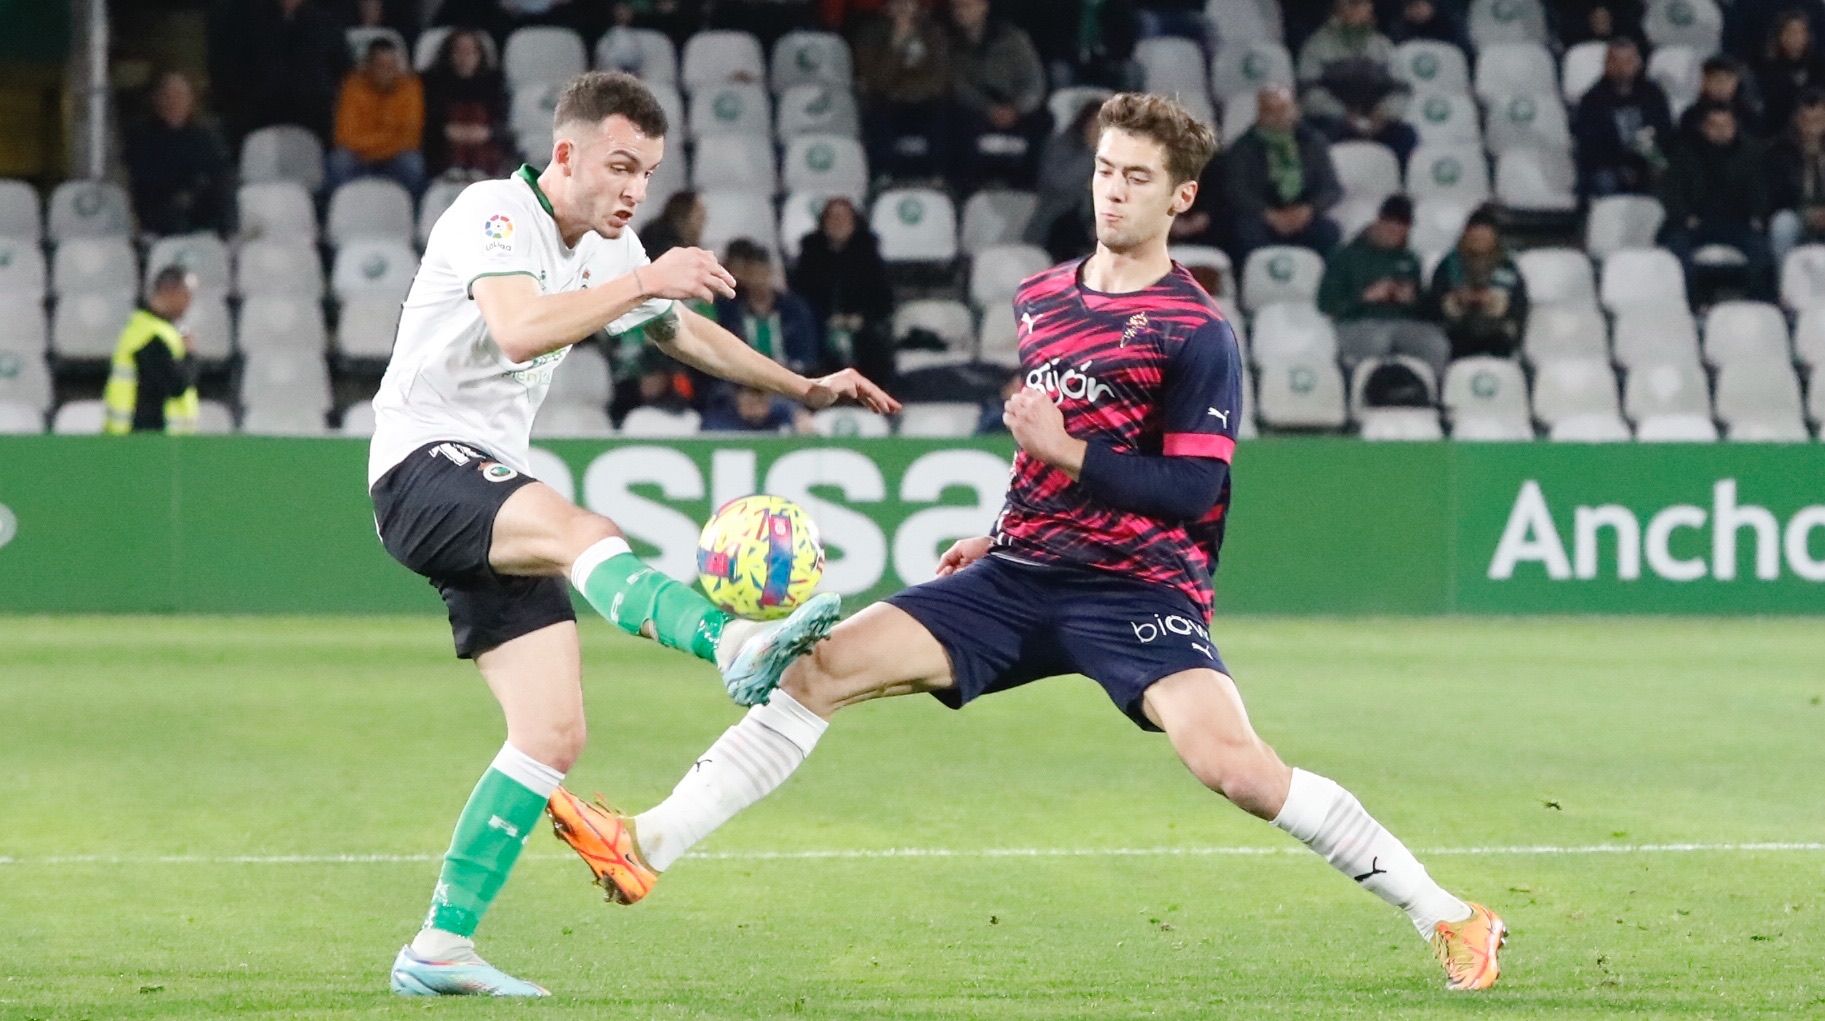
[(180, 793)]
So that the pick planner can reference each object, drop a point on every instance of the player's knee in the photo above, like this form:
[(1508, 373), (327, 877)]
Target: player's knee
[(585, 529), (557, 744), (1244, 772)]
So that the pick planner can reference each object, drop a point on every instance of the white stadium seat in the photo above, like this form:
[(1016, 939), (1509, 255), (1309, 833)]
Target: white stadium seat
[(1400, 425), (1438, 224), (735, 163), (358, 419), (733, 214), (1803, 278), (653, 423), (850, 422), (1300, 394), (1567, 387), (1064, 103), (279, 323), (1592, 428), (20, 218), (1815, 395), (1537, 180), (1212, 258), (19, 419), (24, 378), (998, 336), (1515, 68), (572, 421), (1809, 336), (811, 58), (1506, 21), (1527, 121), (996, 272), (1616, 222), (209, 327), (798, 216), (89, 209), (366, 328), (1768, 430), (1564, 331), (79, 418), (1290, 331), (731, 109), (817, 110), (214, 418), (369, 207), (1676, 429), (1641, 276), (1366, 170), (280, 210), (1653, 334), (1558, 276), (28, 327), (437, 199), (646, 53), (533, 106), (1430, 68), (374, 267), (1485, 387), (1763, 392), (582, 378), (939, 419), (87, 326), (1676, 69), (279, 266), (1491, 430), (280, 378), (91, 265), (995, 216), (915, 225), (1738, 330), (1175, 67), (1441, 119), (1669, 388), (1277, 273), (720, 57), (1458, 172), (826, 165), (274, 419), (948, 320), (1581, 68), (23, 274), (204, 256), (1249, 65), (1238, 115), (1695, 23), (1245, 19), (283, 152), (541, 54)]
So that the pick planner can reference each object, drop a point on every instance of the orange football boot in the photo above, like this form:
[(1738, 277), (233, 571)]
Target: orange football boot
[(604, 839), (1469, 949)]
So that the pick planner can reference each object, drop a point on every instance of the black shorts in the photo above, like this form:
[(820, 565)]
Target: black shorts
[(1004, 623), (435, 514)]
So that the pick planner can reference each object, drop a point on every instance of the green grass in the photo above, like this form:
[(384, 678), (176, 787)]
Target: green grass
[(205, 737)]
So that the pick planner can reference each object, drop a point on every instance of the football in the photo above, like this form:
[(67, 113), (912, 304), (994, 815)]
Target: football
[(759, 557)]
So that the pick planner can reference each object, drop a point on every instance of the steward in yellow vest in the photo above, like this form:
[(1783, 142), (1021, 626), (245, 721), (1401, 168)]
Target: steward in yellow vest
[(152, 385)]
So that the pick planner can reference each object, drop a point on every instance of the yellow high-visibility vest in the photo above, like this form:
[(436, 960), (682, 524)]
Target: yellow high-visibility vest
[(122, 393)]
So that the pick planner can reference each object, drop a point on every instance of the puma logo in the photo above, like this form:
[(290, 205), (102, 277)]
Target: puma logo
[(1221, 416), (1373, 871), (695, 766)]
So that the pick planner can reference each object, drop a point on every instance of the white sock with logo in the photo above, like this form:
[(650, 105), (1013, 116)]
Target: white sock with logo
[(745, 764), (1330, 821)]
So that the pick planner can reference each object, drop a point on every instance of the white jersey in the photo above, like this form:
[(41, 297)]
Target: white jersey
[(447, 379)]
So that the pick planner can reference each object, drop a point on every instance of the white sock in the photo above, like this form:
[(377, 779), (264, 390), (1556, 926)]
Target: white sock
[(1330, 821), (437, 945), (592, 558), (735, 634), (745, 764)]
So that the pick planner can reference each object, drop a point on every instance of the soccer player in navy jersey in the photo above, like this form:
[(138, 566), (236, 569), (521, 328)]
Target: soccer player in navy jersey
[(1099, 562)]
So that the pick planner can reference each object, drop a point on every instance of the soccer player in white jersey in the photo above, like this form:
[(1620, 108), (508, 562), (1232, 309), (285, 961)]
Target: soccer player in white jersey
[(514, 273)]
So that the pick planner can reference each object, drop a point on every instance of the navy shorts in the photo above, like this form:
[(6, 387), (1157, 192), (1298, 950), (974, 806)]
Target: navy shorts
[(1004, 623)]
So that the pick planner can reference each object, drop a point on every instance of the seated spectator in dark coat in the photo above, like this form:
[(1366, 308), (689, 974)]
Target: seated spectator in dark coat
[(1715, 193), (1061, 222), (465, 110), (1721, 84), (1408, 20), (1202, 224), (747, 410), (773, 321), (1791, 66), (178, 165), (1346, 58), (1001, 92), (1796, 179), (1373, 293), (841, 274), (1621, 128), (1582, 21), (1366, 119), (287, 62), (903, 82), (679, 225), (648, 378), (1281, 181), (1479, 294), (380, 122)]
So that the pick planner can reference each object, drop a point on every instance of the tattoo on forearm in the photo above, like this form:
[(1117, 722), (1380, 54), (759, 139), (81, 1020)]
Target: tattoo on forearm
[(663, 329)]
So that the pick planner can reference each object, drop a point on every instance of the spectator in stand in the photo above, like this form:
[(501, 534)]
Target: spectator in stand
[(774, 321), (1001, 92), (841, 275), (279, 62), (1082, 42), (1478, 292), (679, 225), (1281, 181), (380, 122), (1061, 222), (748, 410), (1347, 57), (1749, 24), (1368, 119), (1796, 185), (1715, 193), (152, 382), (1721, 84), (651, 379), (1425, 19), (903, 80), (1599, 20), (1621, 128), (1791, 66), (1202, 224), (1372, 291), (178, 165), (465, 110)]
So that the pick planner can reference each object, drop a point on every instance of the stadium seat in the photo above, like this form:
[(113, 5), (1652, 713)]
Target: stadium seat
[(996, 272), (1641, 276), (1558, 276), (948, 320), (1616, 222), (530, 113), (210, 328), (87, 326), (828, 165), (817, 110), (20, 219), (1359, 379), (79, 418), (998, 337), (915, 225), (811, 58), (276, 210), (541, 54), (1065, 102), (939, 419), (1292, 331), (357, 419), (1564, 331), (431, 43), (798, 216), (1765, 392), (1249, 65), (1245, 19), (1803, 278), (283, 420), (1581, 68), (1815, 397), (1738, 330), (995, 216), (1485, 387), (203, 255), (283, 152), (735, 163), (437, 198), (1569, 387), (1238, 116), (1491, 430), (721, 57), (22, 270), (1506, 21), (19, 419), (668, 179), (732, 214), (1668, 388), (27, 326), (1438, 224), (1174, 67), (1768, 430), (1650, 335), (572, 421), (1676, 69), (24, 378), (1809, 336), (850, 423), (1366, 170), (278, 323), (1537, 180), (369, 207), (213, 418), (90, 209), (1590, 429), (1457, 172), (1447, 120), (95, 265), (1676, 429), (646, 53), (581, 378), (1212, 258), (652, 423), (1300, 394), (366, 327), (1515, 69), (281, 378), (374, 267), (731, 109), (1527, 121), (1695, 23), (1280, 273), (279, 266), (1431, 68), (1400, 425)]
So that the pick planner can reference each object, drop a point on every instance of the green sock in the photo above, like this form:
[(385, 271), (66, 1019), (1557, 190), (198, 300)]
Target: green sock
[(632, 595), (495, 824)]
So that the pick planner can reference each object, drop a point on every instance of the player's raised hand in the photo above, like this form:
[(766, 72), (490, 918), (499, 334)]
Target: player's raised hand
[(1037, 424), (852, 386), (687, 274), (963, 553)]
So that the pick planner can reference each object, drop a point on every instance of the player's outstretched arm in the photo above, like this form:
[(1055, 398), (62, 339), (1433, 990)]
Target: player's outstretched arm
[(704, 344)]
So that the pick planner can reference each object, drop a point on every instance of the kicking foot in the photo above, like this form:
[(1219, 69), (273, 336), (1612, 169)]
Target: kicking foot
[(414, 976), (604, 839), (1469, 949), (755, 655)]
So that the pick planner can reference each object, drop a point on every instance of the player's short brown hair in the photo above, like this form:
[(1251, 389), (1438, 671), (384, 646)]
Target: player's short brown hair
[(594, 95), (1189, 142)]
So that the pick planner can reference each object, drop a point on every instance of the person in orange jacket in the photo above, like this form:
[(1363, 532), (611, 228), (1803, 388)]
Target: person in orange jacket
[(380, 122)]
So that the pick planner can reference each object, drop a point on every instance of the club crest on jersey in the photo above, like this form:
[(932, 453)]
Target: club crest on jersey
[(498, 230), (1136, 323), (1076, 384), (494, 471)]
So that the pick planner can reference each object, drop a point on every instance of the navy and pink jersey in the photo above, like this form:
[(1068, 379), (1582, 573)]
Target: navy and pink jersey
[(1154, 371)]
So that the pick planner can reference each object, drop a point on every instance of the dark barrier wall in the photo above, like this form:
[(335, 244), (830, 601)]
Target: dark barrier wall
[(241, 524)]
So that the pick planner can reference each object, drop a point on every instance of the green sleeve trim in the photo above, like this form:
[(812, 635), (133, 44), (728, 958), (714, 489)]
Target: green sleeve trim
[(469, 288)]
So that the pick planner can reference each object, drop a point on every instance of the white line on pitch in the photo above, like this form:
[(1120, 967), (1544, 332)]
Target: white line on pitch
[(864, 854)]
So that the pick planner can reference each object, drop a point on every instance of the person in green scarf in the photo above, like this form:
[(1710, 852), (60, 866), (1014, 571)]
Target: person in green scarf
[(1280, 180)]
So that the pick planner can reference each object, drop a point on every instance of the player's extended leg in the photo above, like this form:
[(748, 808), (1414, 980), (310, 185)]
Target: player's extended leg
[(537, 680), (538, 532), (1202, 713), (881, 651)]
